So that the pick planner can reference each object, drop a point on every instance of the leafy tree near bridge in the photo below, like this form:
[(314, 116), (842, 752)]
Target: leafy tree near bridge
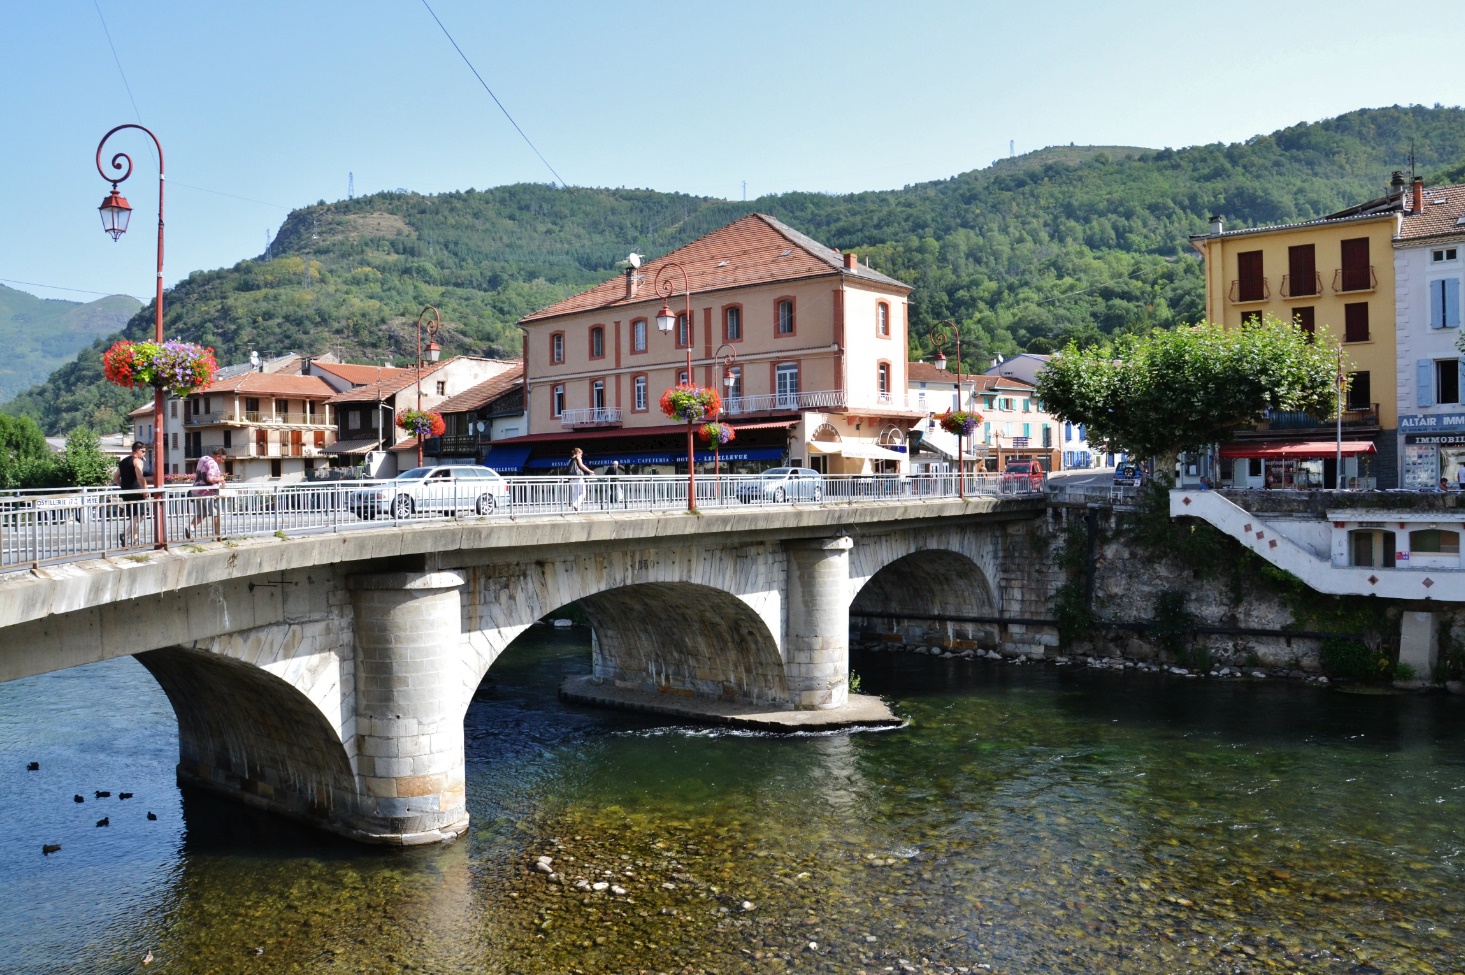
[(1184, 389), (23, 450)]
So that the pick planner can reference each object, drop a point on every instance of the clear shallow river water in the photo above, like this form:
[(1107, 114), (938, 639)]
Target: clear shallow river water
[(1029, 820)]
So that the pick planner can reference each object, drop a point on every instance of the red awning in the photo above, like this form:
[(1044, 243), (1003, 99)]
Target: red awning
[(1296, 449)]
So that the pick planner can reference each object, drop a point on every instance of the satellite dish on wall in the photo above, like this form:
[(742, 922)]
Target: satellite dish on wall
[(481, 426)]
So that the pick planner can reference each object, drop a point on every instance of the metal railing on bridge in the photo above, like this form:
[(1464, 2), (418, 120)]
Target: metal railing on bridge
[(48, 526)]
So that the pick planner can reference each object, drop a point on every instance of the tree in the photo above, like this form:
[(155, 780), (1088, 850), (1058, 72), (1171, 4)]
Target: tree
[(1170, 391), (22, 449), (83, 464)]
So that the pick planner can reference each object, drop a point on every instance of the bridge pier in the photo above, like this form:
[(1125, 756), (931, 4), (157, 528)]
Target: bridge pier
[(816, 646), (409, 732)]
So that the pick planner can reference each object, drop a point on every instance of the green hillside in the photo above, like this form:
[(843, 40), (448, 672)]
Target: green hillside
[(39, 335), (1067, 242)]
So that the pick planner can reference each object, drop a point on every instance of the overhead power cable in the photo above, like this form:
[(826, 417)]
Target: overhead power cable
[(57, 287), (491, 94)]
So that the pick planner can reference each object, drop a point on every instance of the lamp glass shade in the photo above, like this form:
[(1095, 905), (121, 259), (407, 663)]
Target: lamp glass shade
[(665, 320), (434, 351), (115, 213)]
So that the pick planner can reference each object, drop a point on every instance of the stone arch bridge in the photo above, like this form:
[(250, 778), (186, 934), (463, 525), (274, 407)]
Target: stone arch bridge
[(326, 677)]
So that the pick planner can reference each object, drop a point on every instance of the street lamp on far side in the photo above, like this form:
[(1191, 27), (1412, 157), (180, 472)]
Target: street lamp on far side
[(666, 320)]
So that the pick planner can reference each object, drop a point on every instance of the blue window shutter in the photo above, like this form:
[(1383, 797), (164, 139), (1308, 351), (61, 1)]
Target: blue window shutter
[(1437, 304), (1452, 302), (1460, 371), (1424, 370)]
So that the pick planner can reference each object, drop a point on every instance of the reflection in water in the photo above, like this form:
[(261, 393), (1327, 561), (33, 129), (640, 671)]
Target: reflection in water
[(1028, 819)]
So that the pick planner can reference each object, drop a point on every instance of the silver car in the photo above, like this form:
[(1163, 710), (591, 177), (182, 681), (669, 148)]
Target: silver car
[(450, 489), (780, 484)]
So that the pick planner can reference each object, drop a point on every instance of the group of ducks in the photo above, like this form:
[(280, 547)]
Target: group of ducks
[(48, 848)]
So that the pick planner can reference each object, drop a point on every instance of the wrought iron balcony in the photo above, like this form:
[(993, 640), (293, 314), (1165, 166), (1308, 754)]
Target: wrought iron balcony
[(1277, 421), (1347, 279), (602, 416), (1304, 286), (1252, 289)]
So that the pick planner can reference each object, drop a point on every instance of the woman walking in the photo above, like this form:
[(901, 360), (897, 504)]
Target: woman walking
[(578, 470)]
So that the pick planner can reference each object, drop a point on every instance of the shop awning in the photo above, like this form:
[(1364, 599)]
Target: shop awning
[(343, 447), (659, 457), (855, 451), (1296, 450), (507, 458)]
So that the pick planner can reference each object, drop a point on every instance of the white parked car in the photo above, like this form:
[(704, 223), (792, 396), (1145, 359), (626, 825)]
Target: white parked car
[(450, 489)]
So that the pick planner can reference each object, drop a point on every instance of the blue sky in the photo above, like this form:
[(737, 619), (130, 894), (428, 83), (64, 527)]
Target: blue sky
[(277, 102)]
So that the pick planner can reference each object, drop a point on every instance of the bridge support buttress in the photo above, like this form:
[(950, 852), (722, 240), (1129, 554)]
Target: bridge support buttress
[(816, 646), (409, 732)]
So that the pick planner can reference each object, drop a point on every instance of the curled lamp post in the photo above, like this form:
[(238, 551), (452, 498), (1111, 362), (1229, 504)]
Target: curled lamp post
[(943, 332), (433, 351), (729, 361), (115, 213), (665, 322)]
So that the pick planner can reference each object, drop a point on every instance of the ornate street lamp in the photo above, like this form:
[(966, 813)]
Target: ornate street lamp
[(665, 322), (116, 213), (729, 360), (433, 351), (942, 333)]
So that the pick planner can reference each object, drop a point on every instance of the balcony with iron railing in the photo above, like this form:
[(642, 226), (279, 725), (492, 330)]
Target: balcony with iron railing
[(600, 416), (1244, 290), (1302, 285), (1351, 279), (259, 418), (269, 451), (1354, 419)]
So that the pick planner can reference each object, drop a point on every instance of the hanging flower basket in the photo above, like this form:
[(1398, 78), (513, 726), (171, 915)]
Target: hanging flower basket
[(422, 423), (178, 367), (717, 434), (962, 423), (690, 404)]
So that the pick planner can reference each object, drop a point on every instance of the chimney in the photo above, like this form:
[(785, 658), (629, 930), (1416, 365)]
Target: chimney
[(1396, 186), (940, 361), (1418, 194), (1217, 225), (630, 282), (851, 261)]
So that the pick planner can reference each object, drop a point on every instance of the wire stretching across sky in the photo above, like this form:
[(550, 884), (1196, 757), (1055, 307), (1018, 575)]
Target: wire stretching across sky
[(492, 95)]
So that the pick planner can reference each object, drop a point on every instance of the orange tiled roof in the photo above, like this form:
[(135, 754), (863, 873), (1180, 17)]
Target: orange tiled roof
[(924, 372), (359, 375), (484, 393), (755, 249), (387, 386), (1444, 208), (273, 384)]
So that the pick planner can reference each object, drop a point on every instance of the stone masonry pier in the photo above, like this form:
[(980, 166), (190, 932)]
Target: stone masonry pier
[(326, 677)]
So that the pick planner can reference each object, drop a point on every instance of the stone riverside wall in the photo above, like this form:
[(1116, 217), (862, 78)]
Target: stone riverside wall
[(1125, 582)]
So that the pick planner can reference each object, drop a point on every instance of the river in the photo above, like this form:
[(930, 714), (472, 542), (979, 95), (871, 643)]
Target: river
[(1029, 819)]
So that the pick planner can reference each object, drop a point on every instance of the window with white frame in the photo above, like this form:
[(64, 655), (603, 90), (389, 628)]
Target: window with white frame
[(786, 383), (785, 317), (882, 319), (557, 403), (638, 335), (1443, 254), (639, 388), (597, 342), (732, 320), (683, 332), (597, 394), (557, 347), (732, 384)]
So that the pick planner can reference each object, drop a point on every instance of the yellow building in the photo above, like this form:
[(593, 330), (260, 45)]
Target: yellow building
[(1333, 275)]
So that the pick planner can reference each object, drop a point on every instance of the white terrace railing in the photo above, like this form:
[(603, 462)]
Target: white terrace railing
[(40, 527), (599, 416)]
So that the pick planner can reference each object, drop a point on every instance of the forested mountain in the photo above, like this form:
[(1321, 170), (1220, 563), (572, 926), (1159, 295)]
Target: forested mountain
[(40, 334), (1069, 242)]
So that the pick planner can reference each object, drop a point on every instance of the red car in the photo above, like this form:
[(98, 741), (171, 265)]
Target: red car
[(1022, 476)]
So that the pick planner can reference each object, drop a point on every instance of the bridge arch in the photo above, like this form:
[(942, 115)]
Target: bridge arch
[(253, 734), (915, 590)]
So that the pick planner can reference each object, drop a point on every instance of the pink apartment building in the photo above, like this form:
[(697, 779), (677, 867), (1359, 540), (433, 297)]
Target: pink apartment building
[(814, 344)]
